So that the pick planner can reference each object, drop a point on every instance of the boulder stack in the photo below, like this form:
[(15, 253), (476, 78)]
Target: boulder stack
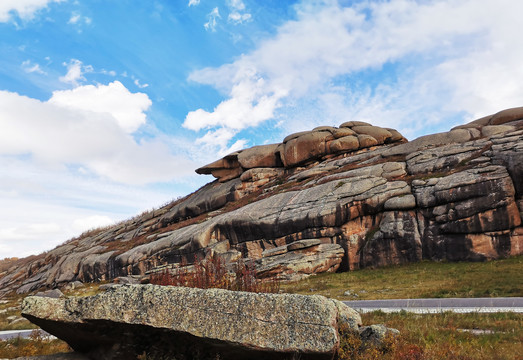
[(303, 147)]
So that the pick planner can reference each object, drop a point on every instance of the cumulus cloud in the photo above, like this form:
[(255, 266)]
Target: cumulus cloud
[(193, 2), (128, 109), (447, 54), (219, 139), (69, 200), (25, 9), (90, 126), (75, 72), (212, 18)]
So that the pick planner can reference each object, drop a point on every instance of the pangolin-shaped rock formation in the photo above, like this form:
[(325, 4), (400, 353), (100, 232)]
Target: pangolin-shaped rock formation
[(330, 199)]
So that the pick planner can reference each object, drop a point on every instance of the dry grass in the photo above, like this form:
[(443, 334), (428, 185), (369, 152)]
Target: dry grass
[(36, 344), (12, 308), (419, 280), (441, 336)]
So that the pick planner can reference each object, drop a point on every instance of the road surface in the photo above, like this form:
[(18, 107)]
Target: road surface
[(462, 305), (9, 334)]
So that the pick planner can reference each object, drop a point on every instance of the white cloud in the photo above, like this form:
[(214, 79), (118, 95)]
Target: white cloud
[(75, 17), (128, 109), (89, 126), (91, 222), (236, 8), (236, 4), (25, 9), (444, 56), (22, 233), (141, 86), (29, 67), (108, 72), (212, 17), (217, 138), (75, 72), (42, 207), (237, 18), (193, 2)]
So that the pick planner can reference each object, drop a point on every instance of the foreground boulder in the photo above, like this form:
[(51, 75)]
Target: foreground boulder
[(127, 321)]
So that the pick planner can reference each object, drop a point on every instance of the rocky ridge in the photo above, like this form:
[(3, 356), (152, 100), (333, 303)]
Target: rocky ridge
[(329, 199)]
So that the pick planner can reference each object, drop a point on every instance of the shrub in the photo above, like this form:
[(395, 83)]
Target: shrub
[(352, 348), (37, 344), (212, 272)]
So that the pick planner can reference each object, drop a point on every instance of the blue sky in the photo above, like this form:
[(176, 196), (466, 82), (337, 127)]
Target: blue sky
[(108, 106)]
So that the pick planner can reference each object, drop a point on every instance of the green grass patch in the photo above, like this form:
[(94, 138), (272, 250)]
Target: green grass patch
[(425, 279)]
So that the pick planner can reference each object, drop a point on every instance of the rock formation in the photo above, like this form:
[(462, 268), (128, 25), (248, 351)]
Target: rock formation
[(330, 199), (165, 322), (300, 148)]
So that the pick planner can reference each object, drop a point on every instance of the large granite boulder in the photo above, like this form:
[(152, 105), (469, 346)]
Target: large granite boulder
[(166, 322), (499, 118), (301, 148), (263, 156), (224, 169)]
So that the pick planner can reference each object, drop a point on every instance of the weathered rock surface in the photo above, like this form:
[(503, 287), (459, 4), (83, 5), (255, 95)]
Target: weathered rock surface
[(299, 148), (376, 334), (162, 320), (330, 199)]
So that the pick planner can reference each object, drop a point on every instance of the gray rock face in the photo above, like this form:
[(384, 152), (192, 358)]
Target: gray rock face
[(337, 199), (296, 260), (376, 335), (55, 294), (126, 321)]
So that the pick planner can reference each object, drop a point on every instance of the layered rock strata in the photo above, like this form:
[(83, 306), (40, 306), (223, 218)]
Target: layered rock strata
[(329, 199), (165, 322)]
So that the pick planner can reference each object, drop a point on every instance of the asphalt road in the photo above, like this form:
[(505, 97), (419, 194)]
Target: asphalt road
[(9, 334), (461, 305)]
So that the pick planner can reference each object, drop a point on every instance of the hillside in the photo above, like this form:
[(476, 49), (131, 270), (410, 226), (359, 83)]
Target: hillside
[(330, 199)]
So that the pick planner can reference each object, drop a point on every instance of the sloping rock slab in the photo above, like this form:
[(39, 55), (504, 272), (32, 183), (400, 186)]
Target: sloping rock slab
[(167, 321)]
